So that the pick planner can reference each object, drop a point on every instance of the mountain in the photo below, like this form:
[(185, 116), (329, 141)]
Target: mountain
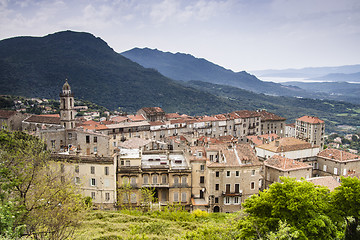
[(185, 67), (38, 67), (333, 112), (310, 72), (341, 77), (340, 91)]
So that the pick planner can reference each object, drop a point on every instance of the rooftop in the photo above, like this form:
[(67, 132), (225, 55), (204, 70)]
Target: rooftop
[(310, 119), (152, 110), (338, 155), (285, 164), (327, 181), (286, 145), (267, 116), (43, 119), (5, 114)]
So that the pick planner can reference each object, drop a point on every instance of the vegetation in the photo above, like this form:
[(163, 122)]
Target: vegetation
[(166, 224), (36, 198)]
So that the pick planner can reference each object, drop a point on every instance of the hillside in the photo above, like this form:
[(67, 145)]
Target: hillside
[(38, 67), (333, 112), (310, 72), (185, 67)]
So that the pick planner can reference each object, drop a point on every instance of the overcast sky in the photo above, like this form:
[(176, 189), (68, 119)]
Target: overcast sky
[(236, 34)]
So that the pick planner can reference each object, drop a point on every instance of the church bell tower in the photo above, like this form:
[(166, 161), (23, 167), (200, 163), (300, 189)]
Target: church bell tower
[(67, 112)]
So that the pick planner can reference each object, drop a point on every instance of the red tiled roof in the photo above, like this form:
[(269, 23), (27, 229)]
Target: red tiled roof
[(267, 116), (338, 155), (43, 119), (5, 114), (51, 115), (286, 145), (177, 121), (285, 164), (157, 123), (245, 114), (152, 110), (136, 118), (172, 116), (119, 119), (310, 119)]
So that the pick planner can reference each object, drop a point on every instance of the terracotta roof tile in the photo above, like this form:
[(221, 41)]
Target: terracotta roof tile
[(310, 119), (327, 181), (5, 114), (42, 119), (285, 164), (136, 118), (267, 116), (286, 144), (338, 155), (153, 110)]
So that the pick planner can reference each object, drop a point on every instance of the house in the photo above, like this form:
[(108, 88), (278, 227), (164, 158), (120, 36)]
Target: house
[(335, 162), (278, 166), (11, 120), (327, 181), (310, 129), (272, 123), (96, 177), (152, 114), (223, 175), (165, 171), (290, 148)]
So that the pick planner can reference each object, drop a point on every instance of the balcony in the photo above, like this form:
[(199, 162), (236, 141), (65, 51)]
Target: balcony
[(232, 194)]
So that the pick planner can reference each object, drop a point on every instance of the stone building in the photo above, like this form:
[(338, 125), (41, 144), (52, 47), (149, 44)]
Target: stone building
[(223, 176), (278, 166), (272, 123), (335, 162), (310, 129), (166, 172), (96, 177), (290, 148), (152, 114), (11, 120)]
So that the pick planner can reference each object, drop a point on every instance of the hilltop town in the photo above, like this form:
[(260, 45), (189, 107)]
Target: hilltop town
[(212, 163)]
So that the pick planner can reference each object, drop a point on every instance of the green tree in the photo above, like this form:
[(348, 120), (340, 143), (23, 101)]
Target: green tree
[(302, 205), (41, 201), (346, 203), (147, 198)]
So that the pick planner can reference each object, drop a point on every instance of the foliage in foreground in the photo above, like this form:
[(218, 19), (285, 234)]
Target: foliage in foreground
[(36, 199), (170, 223), (304, 210)]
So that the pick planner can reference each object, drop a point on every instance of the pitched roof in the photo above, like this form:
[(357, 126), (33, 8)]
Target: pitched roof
[(286, 145), (171, 116), (152, 110), (120, 119), (285, 164), (245, 114), (267, 116), (133, 143), (327, 181), (136, 118), (43, 119), (310, 119), (338, 155), (5, 114)]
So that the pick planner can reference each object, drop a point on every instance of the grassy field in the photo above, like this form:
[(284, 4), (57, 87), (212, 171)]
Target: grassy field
[(166, 224)]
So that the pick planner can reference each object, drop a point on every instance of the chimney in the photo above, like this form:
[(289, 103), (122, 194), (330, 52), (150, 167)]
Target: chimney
[(277, 143)]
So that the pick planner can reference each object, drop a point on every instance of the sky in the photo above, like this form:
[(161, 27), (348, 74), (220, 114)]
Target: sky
[(236, 34)]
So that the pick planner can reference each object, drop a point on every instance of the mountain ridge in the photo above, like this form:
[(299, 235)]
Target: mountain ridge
[(185, 67)]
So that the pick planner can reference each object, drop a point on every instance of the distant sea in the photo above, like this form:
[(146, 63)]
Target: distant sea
[(287, 79)]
